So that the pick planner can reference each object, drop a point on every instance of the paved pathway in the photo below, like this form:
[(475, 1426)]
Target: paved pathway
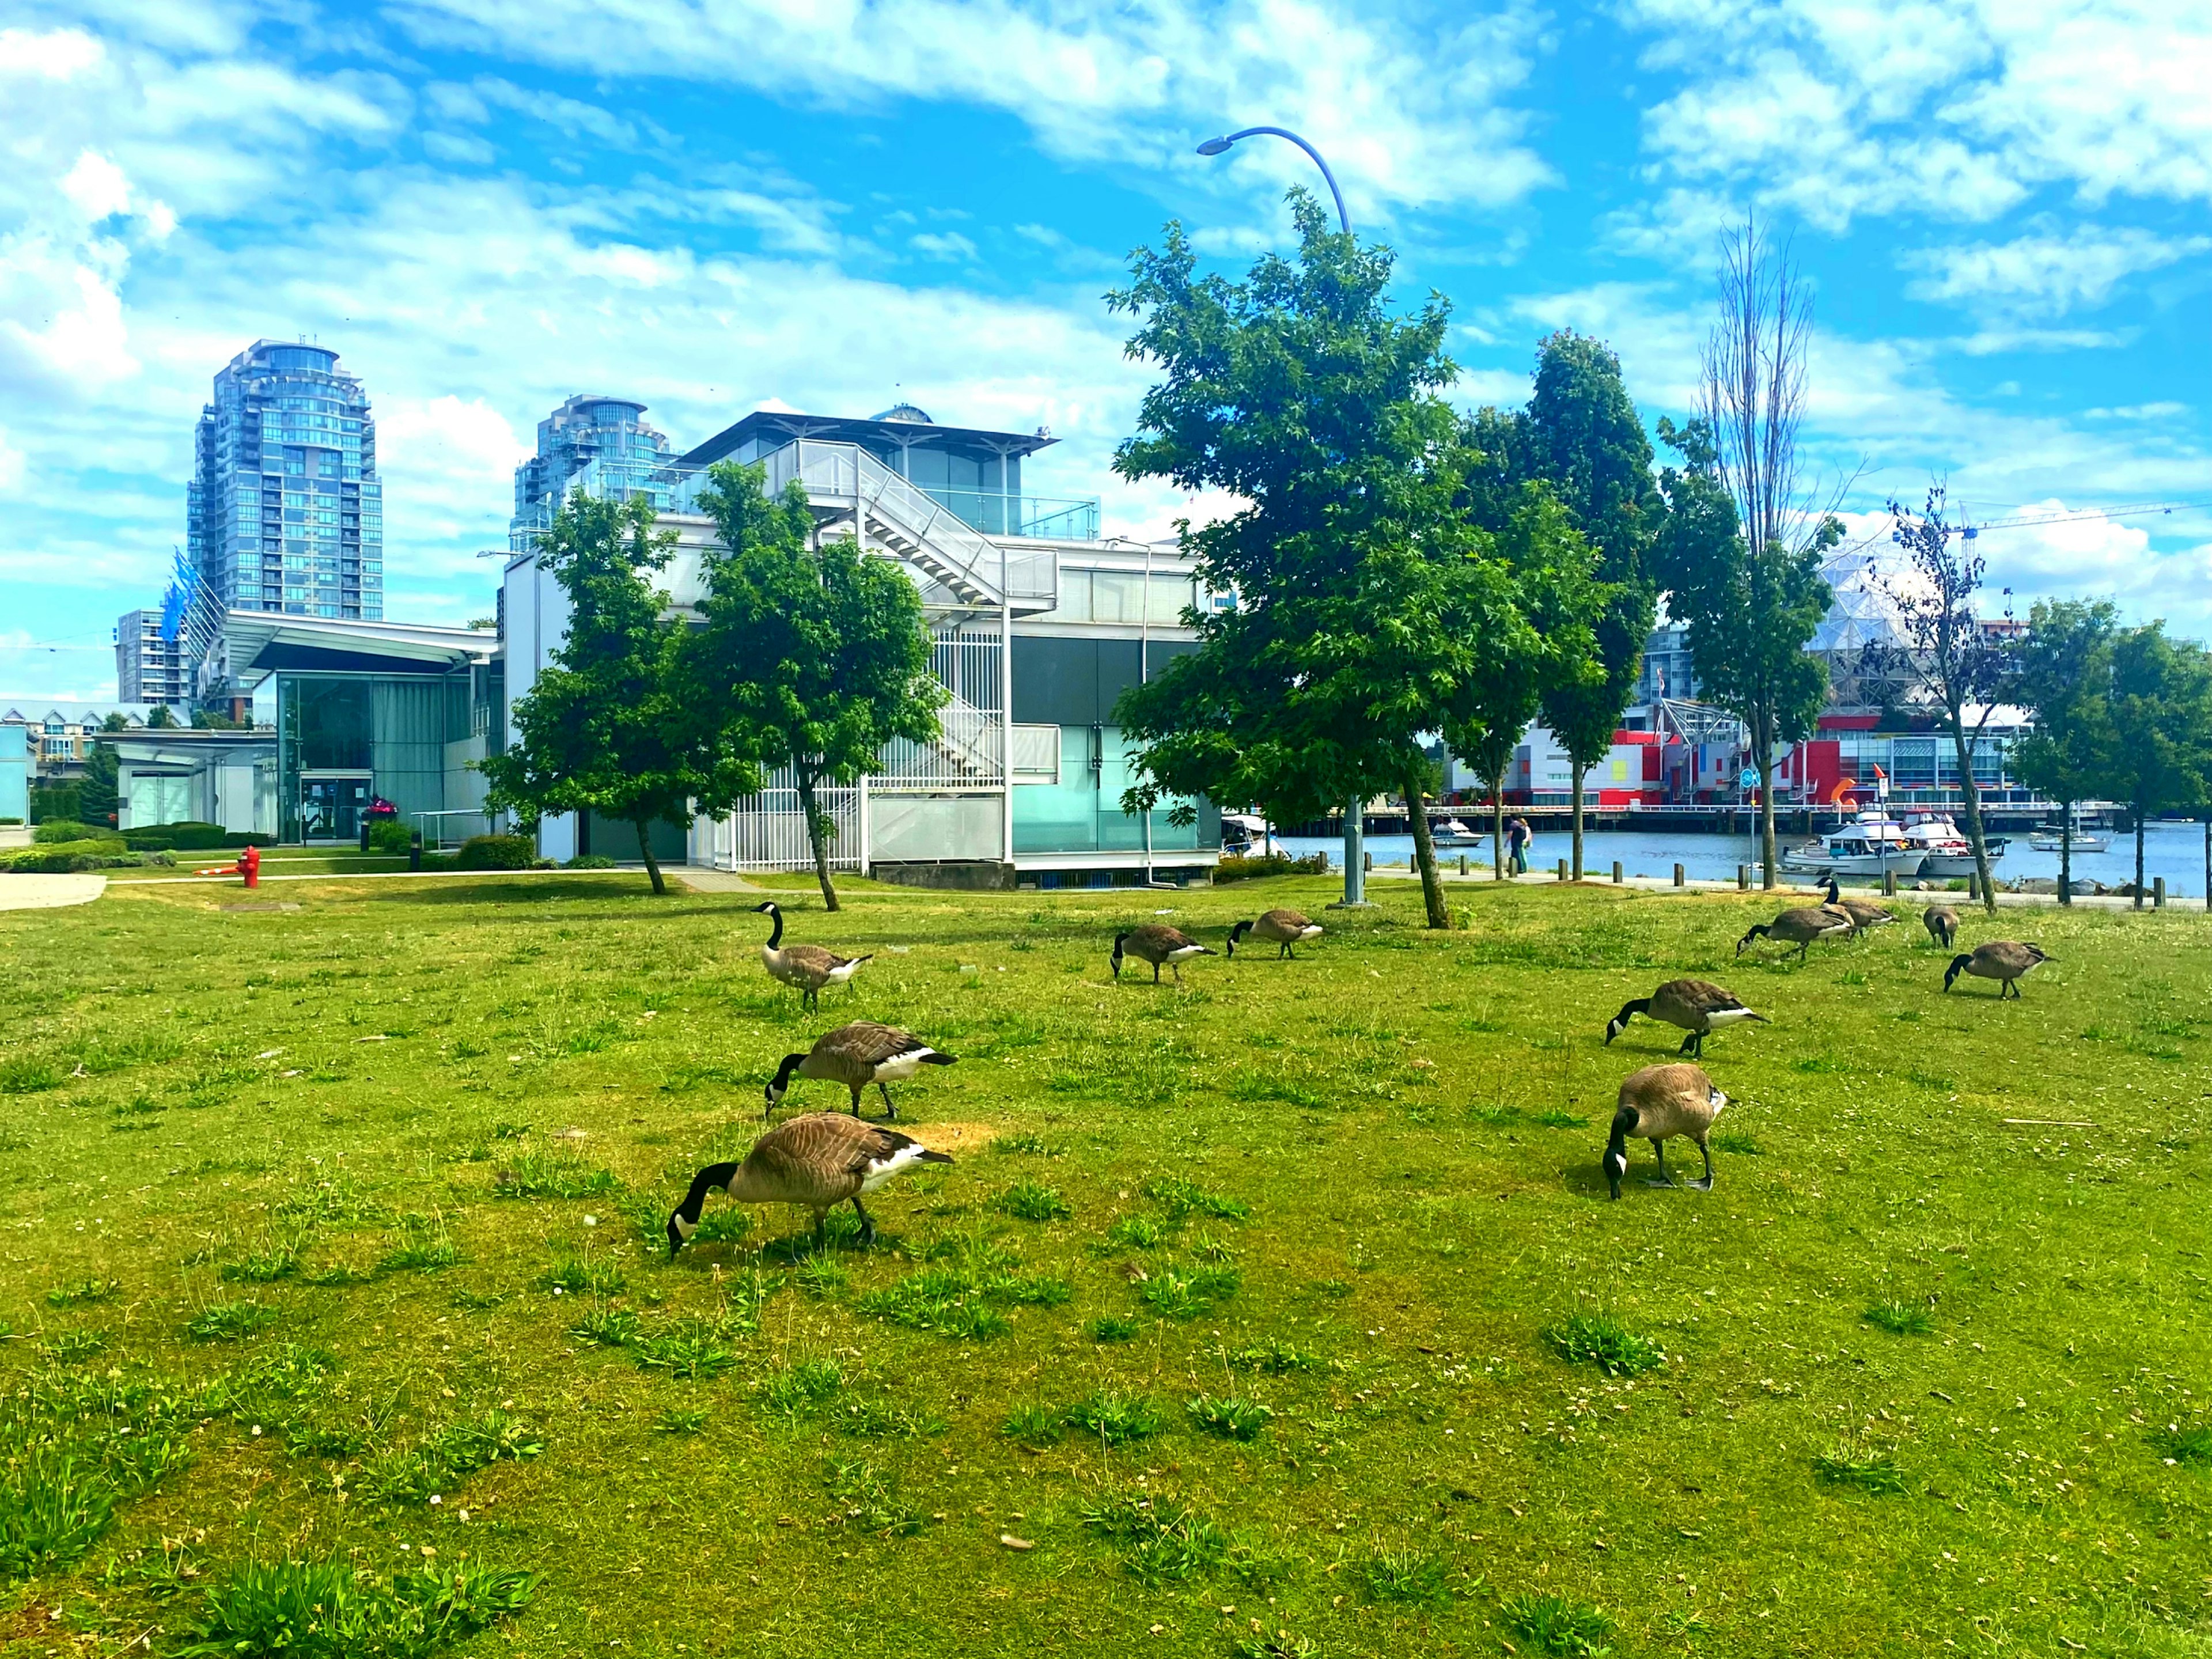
[(711, 881), (49, 892)]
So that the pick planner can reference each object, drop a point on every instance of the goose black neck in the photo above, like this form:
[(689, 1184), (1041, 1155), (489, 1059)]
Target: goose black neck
[(1641, 1005), (714, 1177), (1236, 934), (775, 938), (791, 1063)]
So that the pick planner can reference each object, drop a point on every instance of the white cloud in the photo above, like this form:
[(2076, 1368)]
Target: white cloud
[(942, 245), (2048, 273), (52, 55), (96, 187), (11, 463), (1410, 113)]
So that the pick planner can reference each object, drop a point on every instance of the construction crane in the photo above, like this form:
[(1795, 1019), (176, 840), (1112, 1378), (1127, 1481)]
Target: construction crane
[(2085, 515)]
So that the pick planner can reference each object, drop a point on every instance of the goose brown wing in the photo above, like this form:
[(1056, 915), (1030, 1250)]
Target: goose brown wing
[(815, 1159), (866, 1043), (1287, 923), (1698, 996), (1156, 938), (812, 958)]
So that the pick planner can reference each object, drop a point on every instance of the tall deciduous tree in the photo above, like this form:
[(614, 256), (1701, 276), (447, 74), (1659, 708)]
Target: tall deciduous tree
[(2162, 717), (2063, 677), (1298, 392), (811, 657), (1581, 434), (1956, 662), (1749, 612), (603, 728)]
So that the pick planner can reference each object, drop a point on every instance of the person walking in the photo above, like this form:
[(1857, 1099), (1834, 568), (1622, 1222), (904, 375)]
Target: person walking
[(1518, 837)]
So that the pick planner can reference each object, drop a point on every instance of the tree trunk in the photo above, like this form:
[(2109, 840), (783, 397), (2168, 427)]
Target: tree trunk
[(1424, 848), (645, 852), (817, 837), (1762, 756), (2139, 857), (1498, 827), (1578, 798), (2066, 853), (1972, 796)]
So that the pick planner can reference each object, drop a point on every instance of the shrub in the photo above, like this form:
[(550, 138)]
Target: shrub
[(390, 836), (59, 858), (496, 852), (54, 830), (590, 861), (1235, 867)]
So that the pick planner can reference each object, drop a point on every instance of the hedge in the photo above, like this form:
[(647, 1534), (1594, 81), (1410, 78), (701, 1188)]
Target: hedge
[(391, 836), (55, 830), (496, 852), (58, 858), (191, 838), (1234, 868)]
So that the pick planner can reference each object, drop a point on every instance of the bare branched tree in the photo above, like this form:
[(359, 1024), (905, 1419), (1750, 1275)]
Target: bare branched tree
[(1754, 604), (1949, 654)]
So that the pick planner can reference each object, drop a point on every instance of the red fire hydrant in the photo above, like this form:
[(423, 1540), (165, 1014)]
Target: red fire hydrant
[(248, 864)]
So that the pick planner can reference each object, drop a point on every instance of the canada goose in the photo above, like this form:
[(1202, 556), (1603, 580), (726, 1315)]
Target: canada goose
[(1800, 927), (2002, 960), (816, 1162), (809, 967), (857, 1055), (1862, 915), (1943, 924), (1283, 928), (1656, 1103), (1695, 1005), (1156, 944)]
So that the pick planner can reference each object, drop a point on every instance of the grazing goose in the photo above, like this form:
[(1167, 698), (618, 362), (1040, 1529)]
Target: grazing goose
[(1697, 1005), (809, 967), (1799, 927), (1655, 1103), (816, 1162), (1862, 915), (1156, 944), (1283, 928), (2002, 960), (1943, 924), (857, 1055)]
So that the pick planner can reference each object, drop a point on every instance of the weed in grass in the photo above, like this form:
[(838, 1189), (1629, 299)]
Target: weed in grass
[(1555, 1626), (871, 1420), (1409, 1575), (330, 1610), (83, 1293), (1030, 1200), (1849, 1463), (27, 1075), (337, 1277), (1176, 1293), (743, 1299), (575, 1276), (424, 1247), (263, 1266), (1025, 1146), (690, 1348), (1113, 1417), (477, 1442), (605, 1326), (1162, 1540), (2178, 1443), (1735, 1141), (55, 1503), (679, 1420), (1230, 1416), (869, 1500), (552, 1174), (1113, 1327), (477, 1301), (72, 1347), (1559, 1119), (401, 1479), (1900, 1318), (1034, 1425), (1273, 1356), (822, 1278), (324, 1440), (504, 1131), (1137, 1232), (794, 1390), (1181, 1199), (1210, 1247), (229, 1322), (1602, 1341), (1278, 1644)]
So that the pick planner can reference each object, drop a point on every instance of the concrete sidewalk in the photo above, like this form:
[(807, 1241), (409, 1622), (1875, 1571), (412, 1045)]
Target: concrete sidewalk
[(49, 892)]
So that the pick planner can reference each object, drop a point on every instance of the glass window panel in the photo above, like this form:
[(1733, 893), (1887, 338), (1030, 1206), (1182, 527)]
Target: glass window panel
[(1116, 596), (1170, 595)]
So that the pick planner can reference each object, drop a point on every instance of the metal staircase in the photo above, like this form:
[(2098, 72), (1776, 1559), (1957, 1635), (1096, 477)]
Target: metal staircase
[(845, 483)]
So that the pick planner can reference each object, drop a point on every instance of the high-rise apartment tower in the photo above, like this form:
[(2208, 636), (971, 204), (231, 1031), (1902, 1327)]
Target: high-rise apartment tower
[(608, 435), (286, 512)]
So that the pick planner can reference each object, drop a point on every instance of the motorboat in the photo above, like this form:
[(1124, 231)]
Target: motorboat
[(1240, 831), (1872, 844), (1453, 832), (1944, 848)]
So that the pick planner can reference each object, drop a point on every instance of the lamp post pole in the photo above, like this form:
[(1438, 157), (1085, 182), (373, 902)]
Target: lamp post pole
[(1355, 860)]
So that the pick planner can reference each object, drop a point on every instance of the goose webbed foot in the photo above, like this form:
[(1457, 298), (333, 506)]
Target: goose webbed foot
[(867, 1226), (889, 1110), (1692, 1045), (1700, 1183)]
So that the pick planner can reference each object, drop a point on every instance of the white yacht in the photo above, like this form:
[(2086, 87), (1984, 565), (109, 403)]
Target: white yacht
[(1944, 847), (1871, 844)]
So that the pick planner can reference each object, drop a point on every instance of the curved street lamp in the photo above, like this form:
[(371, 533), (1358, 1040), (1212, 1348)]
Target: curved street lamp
[(1355, 872)]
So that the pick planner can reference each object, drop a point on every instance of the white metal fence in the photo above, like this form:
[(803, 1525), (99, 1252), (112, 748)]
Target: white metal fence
[(768, 831)]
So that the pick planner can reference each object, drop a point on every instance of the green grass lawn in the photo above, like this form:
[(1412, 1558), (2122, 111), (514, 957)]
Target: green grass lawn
[(1282, 1313)]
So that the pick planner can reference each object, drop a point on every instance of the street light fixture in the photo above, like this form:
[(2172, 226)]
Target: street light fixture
[(1355, 860)]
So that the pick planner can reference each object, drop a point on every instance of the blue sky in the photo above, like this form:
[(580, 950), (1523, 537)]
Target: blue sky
[(487, 205)]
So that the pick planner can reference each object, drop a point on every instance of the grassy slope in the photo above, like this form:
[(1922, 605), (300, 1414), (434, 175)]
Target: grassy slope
[(1415, 1224)]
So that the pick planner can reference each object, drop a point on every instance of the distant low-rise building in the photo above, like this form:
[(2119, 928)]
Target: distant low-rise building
[(149, 663)]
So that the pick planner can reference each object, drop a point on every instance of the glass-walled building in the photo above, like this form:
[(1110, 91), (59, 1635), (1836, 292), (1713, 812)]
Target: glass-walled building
[(609, 435)]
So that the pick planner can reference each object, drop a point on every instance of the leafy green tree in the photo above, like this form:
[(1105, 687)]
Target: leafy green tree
[(2064, 676), (1581, 434), (1548, 640), (115, 720), (96, 798), (1357, 574), (606, 727), (1749, 614), (810, 657), (162, 719), (2162, 724)]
